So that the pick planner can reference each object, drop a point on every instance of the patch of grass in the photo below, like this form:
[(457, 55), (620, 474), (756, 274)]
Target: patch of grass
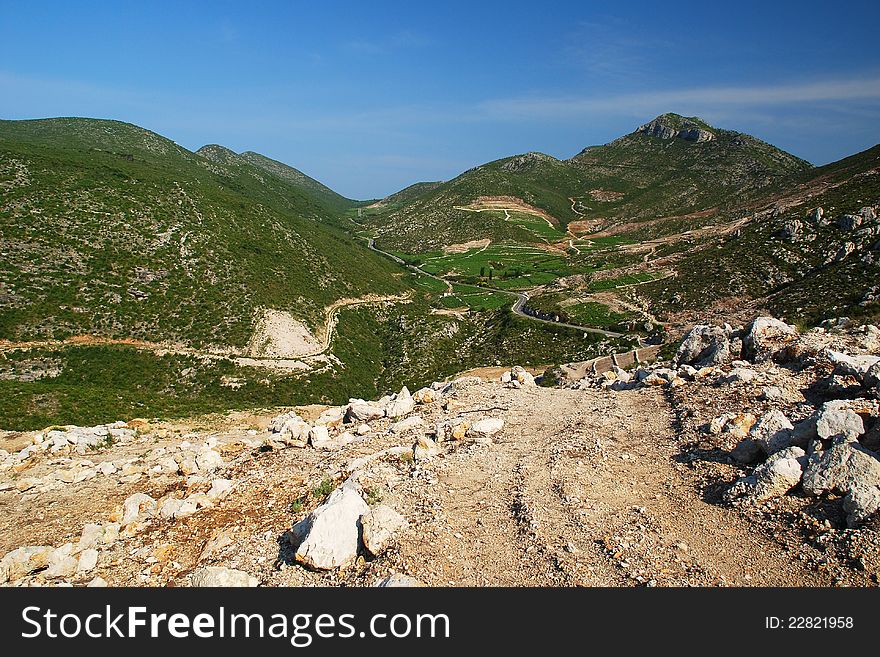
[(323, 489), (374, 495)]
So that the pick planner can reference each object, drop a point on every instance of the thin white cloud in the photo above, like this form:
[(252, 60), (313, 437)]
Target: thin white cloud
[(706, 97)]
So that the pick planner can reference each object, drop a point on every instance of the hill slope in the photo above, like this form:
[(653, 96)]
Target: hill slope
[(809, 253), (113, 230), (671, 166)]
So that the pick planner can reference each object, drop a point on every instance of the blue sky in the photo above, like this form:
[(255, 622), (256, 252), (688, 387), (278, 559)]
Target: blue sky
[(369, 97)]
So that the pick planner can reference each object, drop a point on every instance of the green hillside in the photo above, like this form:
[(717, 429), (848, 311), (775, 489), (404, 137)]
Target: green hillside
[(669, 167), (802, 267), (112, 230)]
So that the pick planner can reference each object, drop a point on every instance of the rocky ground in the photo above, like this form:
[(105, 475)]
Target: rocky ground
[(750, 459)]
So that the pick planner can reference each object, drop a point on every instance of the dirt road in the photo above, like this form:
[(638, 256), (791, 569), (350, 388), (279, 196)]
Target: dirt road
[(593, 490)]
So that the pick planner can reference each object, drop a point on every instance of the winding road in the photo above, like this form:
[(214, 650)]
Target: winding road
[(517, 307)]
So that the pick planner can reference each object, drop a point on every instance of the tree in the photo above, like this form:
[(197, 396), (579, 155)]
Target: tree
[(482, 272), (490, 274)]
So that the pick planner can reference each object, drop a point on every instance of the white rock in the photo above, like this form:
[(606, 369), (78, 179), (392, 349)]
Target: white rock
[(364, 412), (402, 404), (209, 460), (410, 423), (318, 434), (424, 449), (330, 532), (380, 527), (23, 561), (220, 488), (398, 580), (218, 576), (62, 563), (363, 429), (91, 536), (98, 582), (88, 559), (137, 507), (487, 427)]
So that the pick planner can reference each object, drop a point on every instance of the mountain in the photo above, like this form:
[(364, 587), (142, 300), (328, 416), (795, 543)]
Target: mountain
[(670, 167), (110, 229)]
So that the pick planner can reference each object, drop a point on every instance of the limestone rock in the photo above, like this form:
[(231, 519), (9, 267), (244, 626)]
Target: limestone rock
[(318, 435), (218, 576), (330, 533), (775, 478), (220, 488), (209, 460), (424, 449), (483, 430), (832, 422), (361, 411), (88, 559), (398, 580), (62, 563), (137, 507), (772, 432), (380, 527), (841, 467), (702, 346), (402, 404), (860, 503), (765, 337), (24, 561), (426, 396), (409, 424)]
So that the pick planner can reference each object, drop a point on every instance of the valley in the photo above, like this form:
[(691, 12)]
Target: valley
[(633, 367)]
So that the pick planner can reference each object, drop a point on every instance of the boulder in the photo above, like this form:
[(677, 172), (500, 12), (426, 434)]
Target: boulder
[(702, 346), (402, 404), (841, 467), (209, 460), (862, 367), (483, 430), (318, 435), (91, 536), (88, 560), (409, 424), (424, 449), (772, 432), (860, 503), (361, 411), (23, 561), (220, 488), (398, 580), (765, 337), (839, 422), (330, 534), (62, 563), (380, 527), (781, 472), (137, 507), (521, 376), (332, 417), (426, 396), (218, 576)]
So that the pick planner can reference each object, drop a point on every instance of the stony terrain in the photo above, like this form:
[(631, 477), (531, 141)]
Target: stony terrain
[(750, 458)]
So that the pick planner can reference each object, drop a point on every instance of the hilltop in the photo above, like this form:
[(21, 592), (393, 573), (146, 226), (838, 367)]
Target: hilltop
[(669, 167)]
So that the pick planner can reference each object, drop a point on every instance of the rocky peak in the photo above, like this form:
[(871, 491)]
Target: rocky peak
[(219, 154), (526, 161), (671, 126)]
